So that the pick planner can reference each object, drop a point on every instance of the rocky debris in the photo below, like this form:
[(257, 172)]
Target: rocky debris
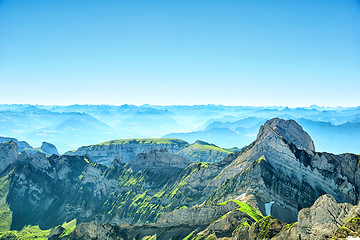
[(127, 149), (8, 154), (21, 144)]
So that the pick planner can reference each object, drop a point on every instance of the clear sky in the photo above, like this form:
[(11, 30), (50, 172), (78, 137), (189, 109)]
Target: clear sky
[(294, 53)]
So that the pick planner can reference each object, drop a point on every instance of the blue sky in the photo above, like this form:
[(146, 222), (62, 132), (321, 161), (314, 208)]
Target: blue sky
[(294, 53)]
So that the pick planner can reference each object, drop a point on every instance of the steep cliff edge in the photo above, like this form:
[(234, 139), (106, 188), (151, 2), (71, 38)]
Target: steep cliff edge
[(8, 154), (127, 149), (47, 148)]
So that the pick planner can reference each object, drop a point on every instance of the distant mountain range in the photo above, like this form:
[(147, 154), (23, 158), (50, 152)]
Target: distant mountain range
[(70, 127)]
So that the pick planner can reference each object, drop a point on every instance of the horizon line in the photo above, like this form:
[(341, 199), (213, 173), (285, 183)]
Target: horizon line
[(185, 105)]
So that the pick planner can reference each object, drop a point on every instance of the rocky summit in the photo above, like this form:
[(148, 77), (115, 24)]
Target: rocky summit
[(278, 187)]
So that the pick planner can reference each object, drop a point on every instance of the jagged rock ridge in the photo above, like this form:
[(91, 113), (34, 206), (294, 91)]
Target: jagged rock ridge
[(273, 174), (47, 148), (21, 144)]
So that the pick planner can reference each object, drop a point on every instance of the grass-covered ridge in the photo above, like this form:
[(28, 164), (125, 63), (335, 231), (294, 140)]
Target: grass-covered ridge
[(201, 151), (246, 208), (201, 147), (172, 141)]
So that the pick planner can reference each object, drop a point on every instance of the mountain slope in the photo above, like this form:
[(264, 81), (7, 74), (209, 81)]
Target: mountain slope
[(278, 174), (201, 151)]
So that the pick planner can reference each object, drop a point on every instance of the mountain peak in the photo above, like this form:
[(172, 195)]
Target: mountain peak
[(288, 129), (49, 148)]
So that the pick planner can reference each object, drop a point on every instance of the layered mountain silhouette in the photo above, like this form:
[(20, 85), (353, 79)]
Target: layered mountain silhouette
[(273, 188), (70, 127)]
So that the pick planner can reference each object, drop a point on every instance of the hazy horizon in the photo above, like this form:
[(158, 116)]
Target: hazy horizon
[(190, 105)]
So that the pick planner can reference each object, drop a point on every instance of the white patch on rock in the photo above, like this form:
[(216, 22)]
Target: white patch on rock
[(268, 208), (241, 197), (352, 238)]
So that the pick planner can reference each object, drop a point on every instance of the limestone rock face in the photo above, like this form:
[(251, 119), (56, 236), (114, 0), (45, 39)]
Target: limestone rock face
[(195, 215), (8, 154), (159, 161), (126, 150), (322, 219), (290, 130)]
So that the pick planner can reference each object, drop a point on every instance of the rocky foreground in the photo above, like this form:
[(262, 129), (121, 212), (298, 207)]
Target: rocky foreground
[(278, 187)]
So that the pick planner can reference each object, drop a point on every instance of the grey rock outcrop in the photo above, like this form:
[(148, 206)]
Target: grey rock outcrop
[(21, 144), (290, 130), (282, 176), (127, 149), (159, 161), (49, 149), (320, 221), (8, 154)]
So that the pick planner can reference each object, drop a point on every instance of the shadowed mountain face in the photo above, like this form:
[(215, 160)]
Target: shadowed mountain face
[(278, 174)]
